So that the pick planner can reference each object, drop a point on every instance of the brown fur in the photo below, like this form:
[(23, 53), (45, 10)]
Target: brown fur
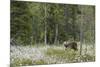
[(72, 45)]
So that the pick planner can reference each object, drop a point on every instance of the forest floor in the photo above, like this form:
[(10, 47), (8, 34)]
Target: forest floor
[(34, 55)]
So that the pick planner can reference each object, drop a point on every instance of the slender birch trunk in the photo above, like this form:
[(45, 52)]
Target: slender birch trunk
[(81, 33), (56, 33), (45, 38)]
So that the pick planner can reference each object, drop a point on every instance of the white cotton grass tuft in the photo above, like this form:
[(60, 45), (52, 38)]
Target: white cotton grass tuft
[(55, 54)]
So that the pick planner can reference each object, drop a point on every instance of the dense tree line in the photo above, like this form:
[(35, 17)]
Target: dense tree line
[(50, 23)]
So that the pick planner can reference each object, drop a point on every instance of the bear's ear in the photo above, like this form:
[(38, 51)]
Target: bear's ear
[(65, 42)]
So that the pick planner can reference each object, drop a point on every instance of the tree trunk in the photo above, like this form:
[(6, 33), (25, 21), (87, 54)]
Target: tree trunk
[(45, 38), (32, 32), (85, 47), (31, 40), (56, 34), (81, 35)]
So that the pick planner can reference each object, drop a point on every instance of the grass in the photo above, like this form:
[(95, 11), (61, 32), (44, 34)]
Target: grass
[(69, 55), (40, 62), (66, 55), (31, 55), (21, 62)]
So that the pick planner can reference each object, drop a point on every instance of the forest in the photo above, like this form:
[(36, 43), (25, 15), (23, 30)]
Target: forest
[(38, 30)]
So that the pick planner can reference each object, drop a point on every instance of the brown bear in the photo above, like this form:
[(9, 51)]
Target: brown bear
[(72, 45)]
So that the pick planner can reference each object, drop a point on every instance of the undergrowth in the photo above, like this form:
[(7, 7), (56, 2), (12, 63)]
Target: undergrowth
[(25, 56)]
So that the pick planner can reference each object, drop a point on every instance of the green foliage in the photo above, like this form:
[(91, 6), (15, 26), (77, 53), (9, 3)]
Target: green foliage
[(20, 22), (62, 22)]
